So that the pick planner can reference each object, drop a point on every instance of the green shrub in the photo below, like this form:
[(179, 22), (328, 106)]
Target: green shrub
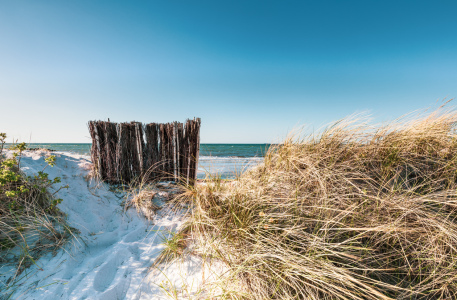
[(28, 211)]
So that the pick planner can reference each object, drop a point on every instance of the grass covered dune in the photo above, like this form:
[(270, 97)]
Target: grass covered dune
[(358, 212)]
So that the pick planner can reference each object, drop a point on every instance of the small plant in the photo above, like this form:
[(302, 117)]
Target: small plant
[(51, 160), (2, 141), (54, 204), (19, 147), (175, 245)]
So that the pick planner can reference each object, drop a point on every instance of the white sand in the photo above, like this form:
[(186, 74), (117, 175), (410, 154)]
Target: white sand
[(114, 250)]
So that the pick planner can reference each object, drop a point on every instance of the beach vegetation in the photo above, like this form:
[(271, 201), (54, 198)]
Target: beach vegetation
[(358, 211), (174, 245), (30, 222)]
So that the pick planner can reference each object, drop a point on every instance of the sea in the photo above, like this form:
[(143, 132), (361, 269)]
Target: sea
[(224, 160)]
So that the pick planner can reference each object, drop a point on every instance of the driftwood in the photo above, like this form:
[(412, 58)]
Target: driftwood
[(125, 152)]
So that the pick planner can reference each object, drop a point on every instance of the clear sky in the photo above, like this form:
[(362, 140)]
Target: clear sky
[(252, 70)]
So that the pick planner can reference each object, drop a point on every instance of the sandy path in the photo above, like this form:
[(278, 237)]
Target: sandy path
[(115, 249)]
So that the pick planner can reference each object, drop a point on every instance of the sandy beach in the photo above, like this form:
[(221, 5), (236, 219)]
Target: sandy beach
[(235, 150)]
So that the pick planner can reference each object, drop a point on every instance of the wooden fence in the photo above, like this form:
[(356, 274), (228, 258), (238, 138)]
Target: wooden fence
[(123, 152)]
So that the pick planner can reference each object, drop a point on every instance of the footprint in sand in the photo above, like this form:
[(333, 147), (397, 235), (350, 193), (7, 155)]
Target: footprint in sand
[(118, 291), (107, 272), (134, 236)]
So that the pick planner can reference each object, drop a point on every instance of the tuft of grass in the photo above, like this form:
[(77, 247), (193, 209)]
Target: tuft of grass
[(175, 245), (356, 212), (142, 199), (147, 197)]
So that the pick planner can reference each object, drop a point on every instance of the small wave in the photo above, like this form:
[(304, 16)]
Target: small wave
[(242, 158)]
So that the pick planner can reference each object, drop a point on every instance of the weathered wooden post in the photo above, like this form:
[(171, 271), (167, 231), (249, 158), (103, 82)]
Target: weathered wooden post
[(152, 153)]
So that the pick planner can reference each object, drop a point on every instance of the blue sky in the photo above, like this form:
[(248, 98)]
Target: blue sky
[(252, 70)]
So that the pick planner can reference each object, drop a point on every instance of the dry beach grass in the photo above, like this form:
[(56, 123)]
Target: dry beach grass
[(357, 212)]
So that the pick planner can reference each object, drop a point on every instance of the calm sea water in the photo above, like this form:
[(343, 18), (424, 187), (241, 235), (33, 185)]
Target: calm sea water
[(225, 160)]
